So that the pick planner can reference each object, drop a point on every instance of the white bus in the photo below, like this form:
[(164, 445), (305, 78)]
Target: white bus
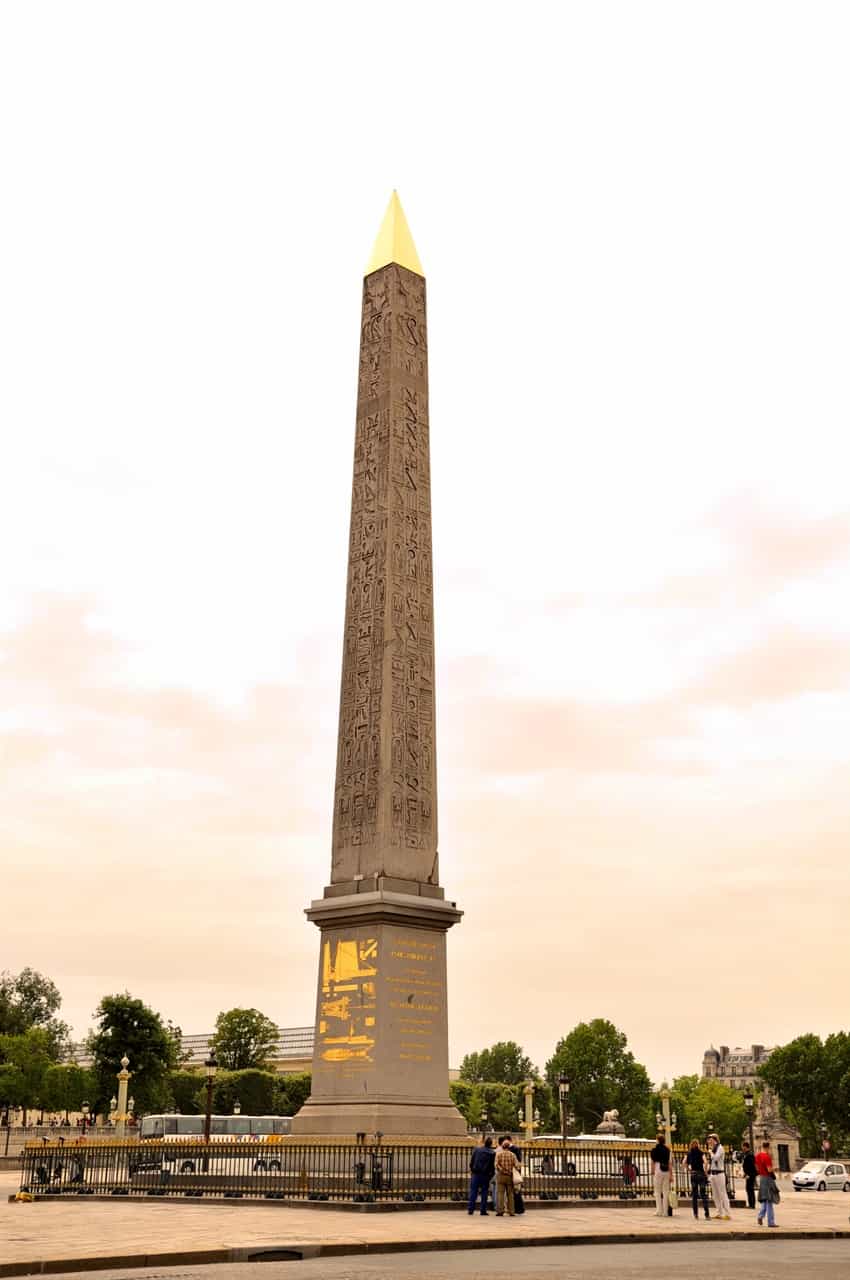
[(251, 1128)]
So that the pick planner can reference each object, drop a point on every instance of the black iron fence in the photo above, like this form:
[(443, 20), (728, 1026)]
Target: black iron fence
[(295, 1169)]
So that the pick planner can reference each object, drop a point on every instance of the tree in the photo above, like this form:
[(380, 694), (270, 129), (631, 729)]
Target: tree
[(603, 1075), (292, 1092), (703, 1106), (29, 1055), (66, 1087), (243, 1038), (185, 1088), (127, 1026), (502, 1063), (812, 1079), (29, 1000), (255, 1091)]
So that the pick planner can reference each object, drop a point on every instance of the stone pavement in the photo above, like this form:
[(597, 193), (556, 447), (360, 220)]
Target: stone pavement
[(61, 1235)]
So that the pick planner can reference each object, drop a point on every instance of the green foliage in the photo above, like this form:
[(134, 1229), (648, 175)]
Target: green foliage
[(127, 1025), (66, 1087), (292, 1092), (256, 1091), (812, 1079), (186, 1091), (243, 1038), (13, 1086), (502, 1063), (702, 1106), (603, 1075), (30, 1000), (28, 1055)]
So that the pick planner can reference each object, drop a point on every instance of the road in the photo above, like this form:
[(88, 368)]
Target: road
[(773, 1259)]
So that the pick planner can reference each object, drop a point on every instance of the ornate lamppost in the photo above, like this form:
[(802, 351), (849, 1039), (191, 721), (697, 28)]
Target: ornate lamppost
[(237, 1107), (485, 1116), (530, 1116), (824, 1140), (748, 1103), (563, 1102), (84, 1107), (210, 1067), (663, 1117)]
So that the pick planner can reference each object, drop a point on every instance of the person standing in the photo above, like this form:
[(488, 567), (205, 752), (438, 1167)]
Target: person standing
[(748, 1164), (768, 1190), (506, 1162), (717, 1177), (694, 1162), (660, 1157), (481, 1167)]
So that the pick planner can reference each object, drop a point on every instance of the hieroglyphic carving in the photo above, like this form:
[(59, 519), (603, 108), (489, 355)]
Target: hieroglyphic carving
[(386, 777)]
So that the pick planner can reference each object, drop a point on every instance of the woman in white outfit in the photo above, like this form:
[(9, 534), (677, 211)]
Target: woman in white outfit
[(717, 1177)]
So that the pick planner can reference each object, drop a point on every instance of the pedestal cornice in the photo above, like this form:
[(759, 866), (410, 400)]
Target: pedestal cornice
[(384, 907)]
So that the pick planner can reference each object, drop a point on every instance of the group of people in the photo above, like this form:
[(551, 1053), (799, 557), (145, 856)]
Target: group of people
[(498, 1171), (502, 1168), (708, 1169)]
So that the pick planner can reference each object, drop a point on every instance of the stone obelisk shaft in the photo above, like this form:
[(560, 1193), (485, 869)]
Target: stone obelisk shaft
[(381, 1053), (385, 812)]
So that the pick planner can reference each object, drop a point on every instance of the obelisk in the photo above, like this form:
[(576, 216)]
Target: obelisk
[(380, 1062)]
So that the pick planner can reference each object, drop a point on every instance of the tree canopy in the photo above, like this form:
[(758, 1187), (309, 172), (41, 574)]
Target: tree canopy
[(128, 1026), (30, 1000), (243, 1038), (503, 1063), (812, 1079), (603, 1075), (703, 1106)]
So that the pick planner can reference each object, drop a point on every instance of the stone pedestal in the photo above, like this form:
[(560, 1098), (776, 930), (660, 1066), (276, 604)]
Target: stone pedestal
[(381, 1057)]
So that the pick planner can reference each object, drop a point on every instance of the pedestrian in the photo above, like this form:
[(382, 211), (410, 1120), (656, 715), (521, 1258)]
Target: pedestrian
[(660, 1157), (768, 1190), (694, 1162), (519, 1203), (506, 1162), (748, 1164), (481, 1165), (717, 1177)]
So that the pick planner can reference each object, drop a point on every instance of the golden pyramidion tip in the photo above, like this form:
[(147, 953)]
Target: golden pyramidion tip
[(394, 242)]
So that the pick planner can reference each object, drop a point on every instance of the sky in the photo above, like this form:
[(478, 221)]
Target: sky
[(633, 221)]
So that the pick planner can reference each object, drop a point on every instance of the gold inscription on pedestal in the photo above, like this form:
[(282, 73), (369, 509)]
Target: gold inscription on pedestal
[(346, 1031), (412, 976)]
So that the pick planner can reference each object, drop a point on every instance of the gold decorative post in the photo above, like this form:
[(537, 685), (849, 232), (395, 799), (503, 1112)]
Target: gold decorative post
[(121, 1114)]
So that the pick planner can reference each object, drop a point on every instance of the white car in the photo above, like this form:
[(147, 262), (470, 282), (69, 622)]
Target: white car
[(821, 1175)]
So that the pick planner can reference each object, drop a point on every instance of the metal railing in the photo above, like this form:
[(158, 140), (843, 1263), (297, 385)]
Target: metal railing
[(299, 1169)]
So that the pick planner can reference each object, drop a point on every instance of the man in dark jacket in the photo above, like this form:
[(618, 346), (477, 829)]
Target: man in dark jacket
[(748, 1164), (481, 1165)]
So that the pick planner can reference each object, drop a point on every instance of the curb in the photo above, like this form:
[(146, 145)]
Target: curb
[(294, 1252)]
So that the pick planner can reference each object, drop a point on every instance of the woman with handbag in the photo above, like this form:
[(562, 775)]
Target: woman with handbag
[(694, 1162)]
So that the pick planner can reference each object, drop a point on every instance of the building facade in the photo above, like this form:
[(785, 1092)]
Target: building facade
[(736, 1068)]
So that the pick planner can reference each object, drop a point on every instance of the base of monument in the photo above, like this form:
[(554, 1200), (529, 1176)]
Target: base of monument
[(392, 1119)]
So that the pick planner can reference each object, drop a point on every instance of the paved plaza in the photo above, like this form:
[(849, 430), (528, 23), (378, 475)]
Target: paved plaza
[(163, 1232)]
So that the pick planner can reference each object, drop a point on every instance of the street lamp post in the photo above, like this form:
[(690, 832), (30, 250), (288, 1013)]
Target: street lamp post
[(748, 1103), (84, 1107), (123, 1081), (485, 1116), (210, 1066), (237, 1107), (824, 1141), (563, 1100)]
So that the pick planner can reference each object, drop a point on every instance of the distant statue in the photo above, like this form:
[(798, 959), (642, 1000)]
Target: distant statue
[(611, 1124)]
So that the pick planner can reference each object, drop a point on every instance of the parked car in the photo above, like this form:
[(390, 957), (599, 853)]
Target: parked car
[(822, 1175)]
